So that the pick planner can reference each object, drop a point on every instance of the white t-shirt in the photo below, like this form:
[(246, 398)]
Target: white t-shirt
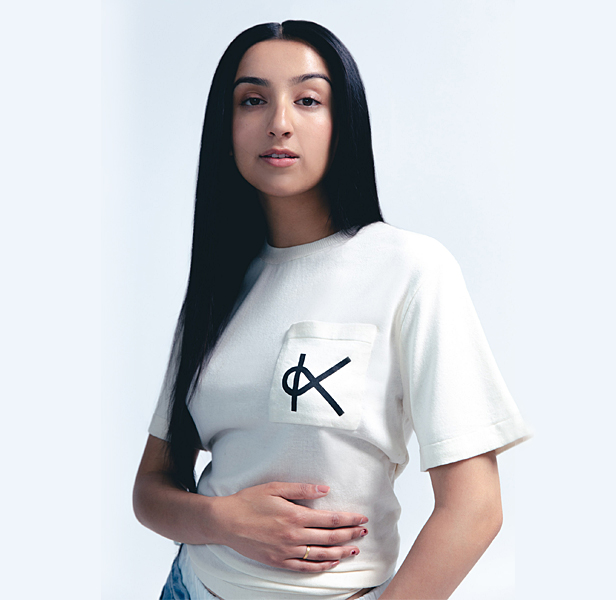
[(338, 350)]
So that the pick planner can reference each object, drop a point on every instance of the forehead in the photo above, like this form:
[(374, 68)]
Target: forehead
[(280, 60)]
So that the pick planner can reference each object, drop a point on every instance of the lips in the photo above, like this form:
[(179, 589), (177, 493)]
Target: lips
[(278, 153), (279, 157)]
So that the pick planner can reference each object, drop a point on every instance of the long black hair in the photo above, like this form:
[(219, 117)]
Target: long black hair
[(229, 225)]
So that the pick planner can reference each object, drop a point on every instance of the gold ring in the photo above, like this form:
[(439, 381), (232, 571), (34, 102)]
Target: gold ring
[(307, 552)]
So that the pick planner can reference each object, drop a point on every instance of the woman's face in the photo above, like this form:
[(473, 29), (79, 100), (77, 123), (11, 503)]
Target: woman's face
[(282, 118)]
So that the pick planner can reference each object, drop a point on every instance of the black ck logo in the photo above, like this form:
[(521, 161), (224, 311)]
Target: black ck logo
[(315, 382)]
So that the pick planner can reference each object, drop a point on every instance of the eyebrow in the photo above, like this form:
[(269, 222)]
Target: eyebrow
[(294, 81)]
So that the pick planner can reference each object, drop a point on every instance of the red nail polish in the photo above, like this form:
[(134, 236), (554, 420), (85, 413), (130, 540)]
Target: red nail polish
[(354, 552), (364, 532)]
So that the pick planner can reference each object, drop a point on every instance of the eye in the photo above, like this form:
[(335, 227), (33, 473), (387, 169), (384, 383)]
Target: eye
[(308, 102), (252, 102)]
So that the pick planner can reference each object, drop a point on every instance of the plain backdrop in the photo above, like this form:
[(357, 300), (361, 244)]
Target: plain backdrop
[(493, 130)]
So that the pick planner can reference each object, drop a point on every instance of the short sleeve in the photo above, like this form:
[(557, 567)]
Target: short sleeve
[(454, 395), (160, 419)]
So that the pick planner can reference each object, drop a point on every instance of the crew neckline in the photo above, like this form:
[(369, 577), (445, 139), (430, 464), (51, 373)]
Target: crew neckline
[(272, 254)]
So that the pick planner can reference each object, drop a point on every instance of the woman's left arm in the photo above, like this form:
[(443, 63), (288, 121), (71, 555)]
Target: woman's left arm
[(467, 516)]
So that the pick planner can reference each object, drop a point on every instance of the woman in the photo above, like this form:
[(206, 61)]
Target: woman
[(313, 339)]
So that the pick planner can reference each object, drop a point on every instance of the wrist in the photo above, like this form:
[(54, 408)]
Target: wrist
[(214, 519)]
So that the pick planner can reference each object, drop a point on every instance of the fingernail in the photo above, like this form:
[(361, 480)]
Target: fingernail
[(363, 520), (364, 532), (322, 489), (354, 552)]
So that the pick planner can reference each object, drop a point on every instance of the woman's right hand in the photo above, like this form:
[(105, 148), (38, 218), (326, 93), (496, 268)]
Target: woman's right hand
[(262, 523)]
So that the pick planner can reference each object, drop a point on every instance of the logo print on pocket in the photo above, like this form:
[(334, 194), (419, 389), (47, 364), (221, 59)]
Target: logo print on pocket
[(315, 382)]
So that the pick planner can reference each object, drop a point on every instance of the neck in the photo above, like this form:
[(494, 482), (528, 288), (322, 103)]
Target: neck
[(296, 220)]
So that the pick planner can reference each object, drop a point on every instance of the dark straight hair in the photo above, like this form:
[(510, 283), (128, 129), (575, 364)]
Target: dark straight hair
[(229, 226)]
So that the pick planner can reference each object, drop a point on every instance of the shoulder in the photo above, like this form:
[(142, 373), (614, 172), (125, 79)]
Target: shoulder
[(414, 254)]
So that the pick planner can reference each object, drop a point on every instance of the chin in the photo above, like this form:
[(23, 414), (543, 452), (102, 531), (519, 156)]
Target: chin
[(277, 193), (280, 191)]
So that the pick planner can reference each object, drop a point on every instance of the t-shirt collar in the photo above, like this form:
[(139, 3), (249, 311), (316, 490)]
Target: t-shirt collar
[(271, 254)]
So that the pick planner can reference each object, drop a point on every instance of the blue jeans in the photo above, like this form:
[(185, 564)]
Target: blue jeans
[(176, 588)]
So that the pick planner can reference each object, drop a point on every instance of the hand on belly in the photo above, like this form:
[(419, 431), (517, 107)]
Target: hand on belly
[(262, 523)]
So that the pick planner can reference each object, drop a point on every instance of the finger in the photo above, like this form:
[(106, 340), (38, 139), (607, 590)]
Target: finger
[(332, 537), (307, 566), (331, 520), (297, 491), (323, 554)]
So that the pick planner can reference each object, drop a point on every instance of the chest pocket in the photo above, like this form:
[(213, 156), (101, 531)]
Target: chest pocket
[(320, 374)]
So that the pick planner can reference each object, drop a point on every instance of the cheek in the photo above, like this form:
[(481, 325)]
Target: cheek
[(321, 139), (242, 133), (243, 139), (237, 135), (238, 147)]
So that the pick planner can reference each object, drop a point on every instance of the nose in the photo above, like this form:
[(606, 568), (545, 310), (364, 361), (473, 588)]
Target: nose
[(280, 123)]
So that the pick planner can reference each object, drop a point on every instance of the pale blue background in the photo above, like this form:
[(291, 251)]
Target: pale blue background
[(493, 131)]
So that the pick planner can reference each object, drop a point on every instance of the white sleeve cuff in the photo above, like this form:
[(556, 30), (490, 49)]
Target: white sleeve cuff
[(158, 427), (499, 436)]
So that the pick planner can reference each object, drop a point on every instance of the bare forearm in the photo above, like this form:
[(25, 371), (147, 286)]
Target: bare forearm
[(447, 548), (173, 512), (261, 522)]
